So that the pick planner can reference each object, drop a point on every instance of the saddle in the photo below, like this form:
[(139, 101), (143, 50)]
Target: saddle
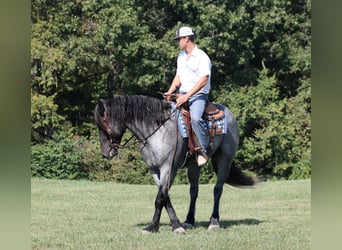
[(211, 113)]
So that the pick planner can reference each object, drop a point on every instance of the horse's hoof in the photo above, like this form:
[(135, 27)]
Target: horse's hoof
[(179, 230), (214, 224), (213, 227), (150, 229), (187, 225)]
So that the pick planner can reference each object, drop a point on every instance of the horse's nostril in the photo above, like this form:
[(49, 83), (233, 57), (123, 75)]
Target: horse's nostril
[(110, 154), (105, 156)]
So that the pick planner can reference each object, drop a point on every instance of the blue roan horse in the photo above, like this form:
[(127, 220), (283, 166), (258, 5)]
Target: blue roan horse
[(153, 123)]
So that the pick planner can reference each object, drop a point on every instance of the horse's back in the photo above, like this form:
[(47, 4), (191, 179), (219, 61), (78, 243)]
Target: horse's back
[(233, 128)]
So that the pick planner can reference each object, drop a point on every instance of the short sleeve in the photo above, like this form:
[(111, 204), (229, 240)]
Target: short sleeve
[(204, 67)]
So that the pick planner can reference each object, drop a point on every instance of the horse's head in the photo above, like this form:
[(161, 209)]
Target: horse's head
[(110, 131)]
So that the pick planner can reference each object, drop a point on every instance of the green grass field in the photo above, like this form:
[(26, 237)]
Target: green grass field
[(106, 215)]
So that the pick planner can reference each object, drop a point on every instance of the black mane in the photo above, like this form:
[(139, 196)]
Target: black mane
[(137, 107)]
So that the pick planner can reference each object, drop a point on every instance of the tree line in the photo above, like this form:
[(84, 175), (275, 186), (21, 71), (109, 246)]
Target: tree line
[(85, 50)]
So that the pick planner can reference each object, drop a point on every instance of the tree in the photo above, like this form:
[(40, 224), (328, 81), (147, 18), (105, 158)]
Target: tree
[(275, 131), (260, 50)]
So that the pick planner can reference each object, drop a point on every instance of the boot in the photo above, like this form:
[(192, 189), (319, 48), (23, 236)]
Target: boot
[(201, 157)]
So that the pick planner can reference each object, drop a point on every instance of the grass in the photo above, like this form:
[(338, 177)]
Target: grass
[(106, 215)]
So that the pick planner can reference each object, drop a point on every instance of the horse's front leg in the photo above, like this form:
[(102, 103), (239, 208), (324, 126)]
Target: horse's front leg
[(193, 175), (159, 203), (176, 225), (163, 200)]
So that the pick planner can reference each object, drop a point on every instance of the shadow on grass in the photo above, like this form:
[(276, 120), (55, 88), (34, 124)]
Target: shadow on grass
[(229, 223), (223, 223), (146, 224)]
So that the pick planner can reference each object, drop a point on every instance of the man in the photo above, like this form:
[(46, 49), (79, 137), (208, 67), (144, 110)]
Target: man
[(193, 80)]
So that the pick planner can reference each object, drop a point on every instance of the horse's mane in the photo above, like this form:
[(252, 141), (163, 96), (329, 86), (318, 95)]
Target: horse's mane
[(137, 108)]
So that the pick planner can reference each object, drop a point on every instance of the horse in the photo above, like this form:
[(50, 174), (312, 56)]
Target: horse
[(153, 122)]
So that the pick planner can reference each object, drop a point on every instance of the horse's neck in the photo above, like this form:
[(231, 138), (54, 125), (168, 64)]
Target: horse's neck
[(141, 130), (144, 130)]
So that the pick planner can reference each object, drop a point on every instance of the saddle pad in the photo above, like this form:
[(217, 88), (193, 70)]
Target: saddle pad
[(221, 123)]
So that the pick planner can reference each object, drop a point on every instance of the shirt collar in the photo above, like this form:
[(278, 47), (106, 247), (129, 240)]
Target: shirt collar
[(193, 52)]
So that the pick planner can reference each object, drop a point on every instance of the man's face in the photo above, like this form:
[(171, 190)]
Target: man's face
[(182, 42)]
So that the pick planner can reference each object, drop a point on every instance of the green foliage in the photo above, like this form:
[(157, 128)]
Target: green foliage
[(85, 50), (275, 132), (68, 157), (44, 117), (57, 159)]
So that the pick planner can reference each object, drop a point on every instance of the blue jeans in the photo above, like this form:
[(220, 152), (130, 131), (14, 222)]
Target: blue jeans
[(197, 104)]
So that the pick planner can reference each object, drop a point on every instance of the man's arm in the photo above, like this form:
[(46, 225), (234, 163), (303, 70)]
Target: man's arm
[(174, 86), (198, 86)]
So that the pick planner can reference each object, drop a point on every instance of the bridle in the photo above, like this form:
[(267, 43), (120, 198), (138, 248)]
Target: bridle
[(114, 144)]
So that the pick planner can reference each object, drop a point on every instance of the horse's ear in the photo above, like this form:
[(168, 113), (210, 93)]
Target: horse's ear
[(101, 107)]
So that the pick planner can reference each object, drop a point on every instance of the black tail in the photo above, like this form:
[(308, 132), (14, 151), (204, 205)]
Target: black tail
[(237, 178)]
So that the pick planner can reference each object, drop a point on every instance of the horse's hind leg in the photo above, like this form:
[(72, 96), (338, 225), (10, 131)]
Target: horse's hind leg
[(193, 175), (223, 168)]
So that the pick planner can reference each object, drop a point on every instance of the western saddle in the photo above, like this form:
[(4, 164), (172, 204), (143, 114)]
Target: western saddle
[(211, 113)]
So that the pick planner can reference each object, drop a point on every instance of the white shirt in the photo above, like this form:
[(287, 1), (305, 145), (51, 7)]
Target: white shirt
[(190, 69)]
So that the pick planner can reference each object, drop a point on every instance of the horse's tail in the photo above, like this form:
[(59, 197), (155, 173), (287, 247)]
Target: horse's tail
[(238, 178)]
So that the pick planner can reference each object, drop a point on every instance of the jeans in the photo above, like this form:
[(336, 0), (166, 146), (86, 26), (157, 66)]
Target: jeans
[(197, 104)]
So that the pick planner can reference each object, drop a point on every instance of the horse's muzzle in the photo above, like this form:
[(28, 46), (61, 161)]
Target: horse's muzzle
[(110, 153)]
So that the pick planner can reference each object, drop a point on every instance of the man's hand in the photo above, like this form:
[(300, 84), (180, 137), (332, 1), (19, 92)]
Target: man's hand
[(167, 96), (181, 100)]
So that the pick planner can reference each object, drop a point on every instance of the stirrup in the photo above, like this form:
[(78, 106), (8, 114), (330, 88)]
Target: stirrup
[(202, 158)]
